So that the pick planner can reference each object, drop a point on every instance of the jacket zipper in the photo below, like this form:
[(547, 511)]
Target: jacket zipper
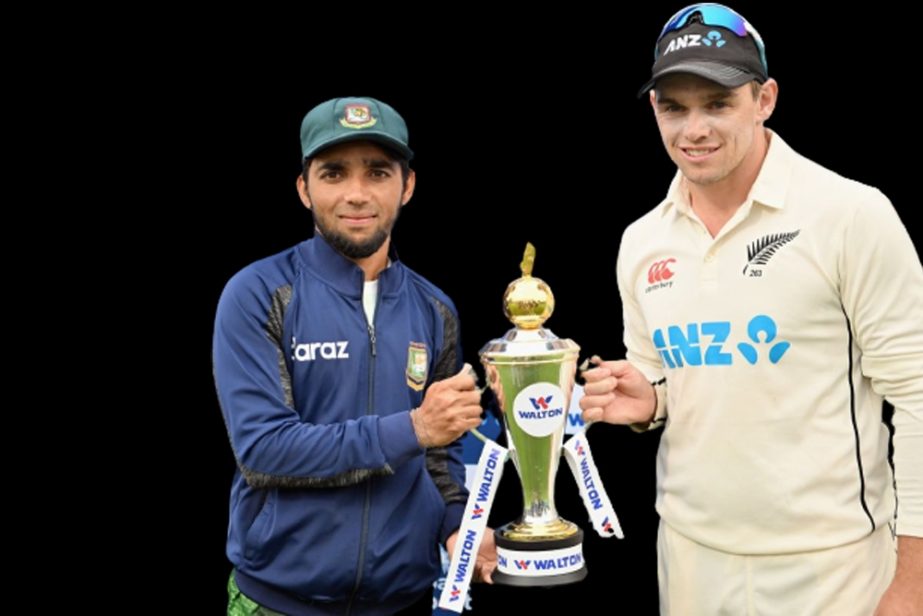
[(363, 537)]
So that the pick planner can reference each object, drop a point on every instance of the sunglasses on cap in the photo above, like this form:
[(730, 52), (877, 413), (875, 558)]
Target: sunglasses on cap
[(713, 15)]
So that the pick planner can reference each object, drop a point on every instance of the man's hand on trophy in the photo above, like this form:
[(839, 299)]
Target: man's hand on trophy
[(486, 561), (617, 392), (450, 408)]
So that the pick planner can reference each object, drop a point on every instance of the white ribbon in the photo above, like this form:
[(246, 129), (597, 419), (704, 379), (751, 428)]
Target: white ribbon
[(474, 521), (580, 459)]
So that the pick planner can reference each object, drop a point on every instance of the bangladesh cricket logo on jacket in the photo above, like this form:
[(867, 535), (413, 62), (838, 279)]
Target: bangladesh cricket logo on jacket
[(416, 365)]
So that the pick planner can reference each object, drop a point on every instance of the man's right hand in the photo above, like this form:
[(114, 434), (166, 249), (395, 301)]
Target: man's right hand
[(617, 392), (450, 408)]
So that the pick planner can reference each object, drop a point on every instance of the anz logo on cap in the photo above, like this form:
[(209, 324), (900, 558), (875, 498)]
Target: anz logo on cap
[(539, 409), (712, 39)]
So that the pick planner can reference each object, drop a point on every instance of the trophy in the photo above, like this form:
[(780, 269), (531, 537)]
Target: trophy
[(532, 371)]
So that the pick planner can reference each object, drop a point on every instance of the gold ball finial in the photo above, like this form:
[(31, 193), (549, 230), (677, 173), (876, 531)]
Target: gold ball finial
[(528, 301)]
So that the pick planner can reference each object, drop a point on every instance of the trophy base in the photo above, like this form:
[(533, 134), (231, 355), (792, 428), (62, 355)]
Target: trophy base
[(547, 562), (531, 532)]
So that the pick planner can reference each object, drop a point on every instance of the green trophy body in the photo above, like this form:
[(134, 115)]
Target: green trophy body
[(531, 371)]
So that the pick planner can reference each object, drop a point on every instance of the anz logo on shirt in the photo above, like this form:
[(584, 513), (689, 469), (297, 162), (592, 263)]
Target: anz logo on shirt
[(706, 344)]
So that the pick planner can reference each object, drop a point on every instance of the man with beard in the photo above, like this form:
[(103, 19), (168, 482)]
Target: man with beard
[(339, 374)]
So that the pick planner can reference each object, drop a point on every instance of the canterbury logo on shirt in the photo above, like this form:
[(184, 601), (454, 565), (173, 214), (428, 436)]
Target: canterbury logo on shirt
[(660, 271), (310, 351)]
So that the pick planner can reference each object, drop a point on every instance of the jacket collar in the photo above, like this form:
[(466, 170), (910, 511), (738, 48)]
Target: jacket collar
[(325, 263)]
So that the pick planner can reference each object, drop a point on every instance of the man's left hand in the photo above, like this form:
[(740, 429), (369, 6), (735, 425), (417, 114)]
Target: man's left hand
[(486, 561)]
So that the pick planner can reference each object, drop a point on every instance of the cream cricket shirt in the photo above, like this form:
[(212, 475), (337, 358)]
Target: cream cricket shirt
[(778, 340)]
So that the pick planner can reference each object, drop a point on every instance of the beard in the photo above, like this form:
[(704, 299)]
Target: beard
[(350, 248)]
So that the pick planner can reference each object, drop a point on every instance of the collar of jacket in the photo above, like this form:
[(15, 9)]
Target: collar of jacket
[(346, 277)]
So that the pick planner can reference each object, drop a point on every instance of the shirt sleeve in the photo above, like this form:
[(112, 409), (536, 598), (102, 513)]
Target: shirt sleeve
[(272, 445), (640, 348), (445, 464), (882, 293)]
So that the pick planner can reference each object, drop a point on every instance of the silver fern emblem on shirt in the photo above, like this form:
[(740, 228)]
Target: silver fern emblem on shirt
[(760, 251)]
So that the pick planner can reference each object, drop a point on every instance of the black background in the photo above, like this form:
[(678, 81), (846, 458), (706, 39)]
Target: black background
[(521, 133)]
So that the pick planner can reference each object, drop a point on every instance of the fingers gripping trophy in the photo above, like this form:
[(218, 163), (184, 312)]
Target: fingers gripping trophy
[(532, 372)]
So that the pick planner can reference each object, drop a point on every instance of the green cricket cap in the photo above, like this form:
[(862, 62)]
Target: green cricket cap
[(353, 119)]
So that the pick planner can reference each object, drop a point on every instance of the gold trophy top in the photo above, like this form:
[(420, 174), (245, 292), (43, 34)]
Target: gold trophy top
[(528, 301)]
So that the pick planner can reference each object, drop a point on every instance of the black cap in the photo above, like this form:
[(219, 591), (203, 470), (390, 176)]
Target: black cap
[(711, 52)]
